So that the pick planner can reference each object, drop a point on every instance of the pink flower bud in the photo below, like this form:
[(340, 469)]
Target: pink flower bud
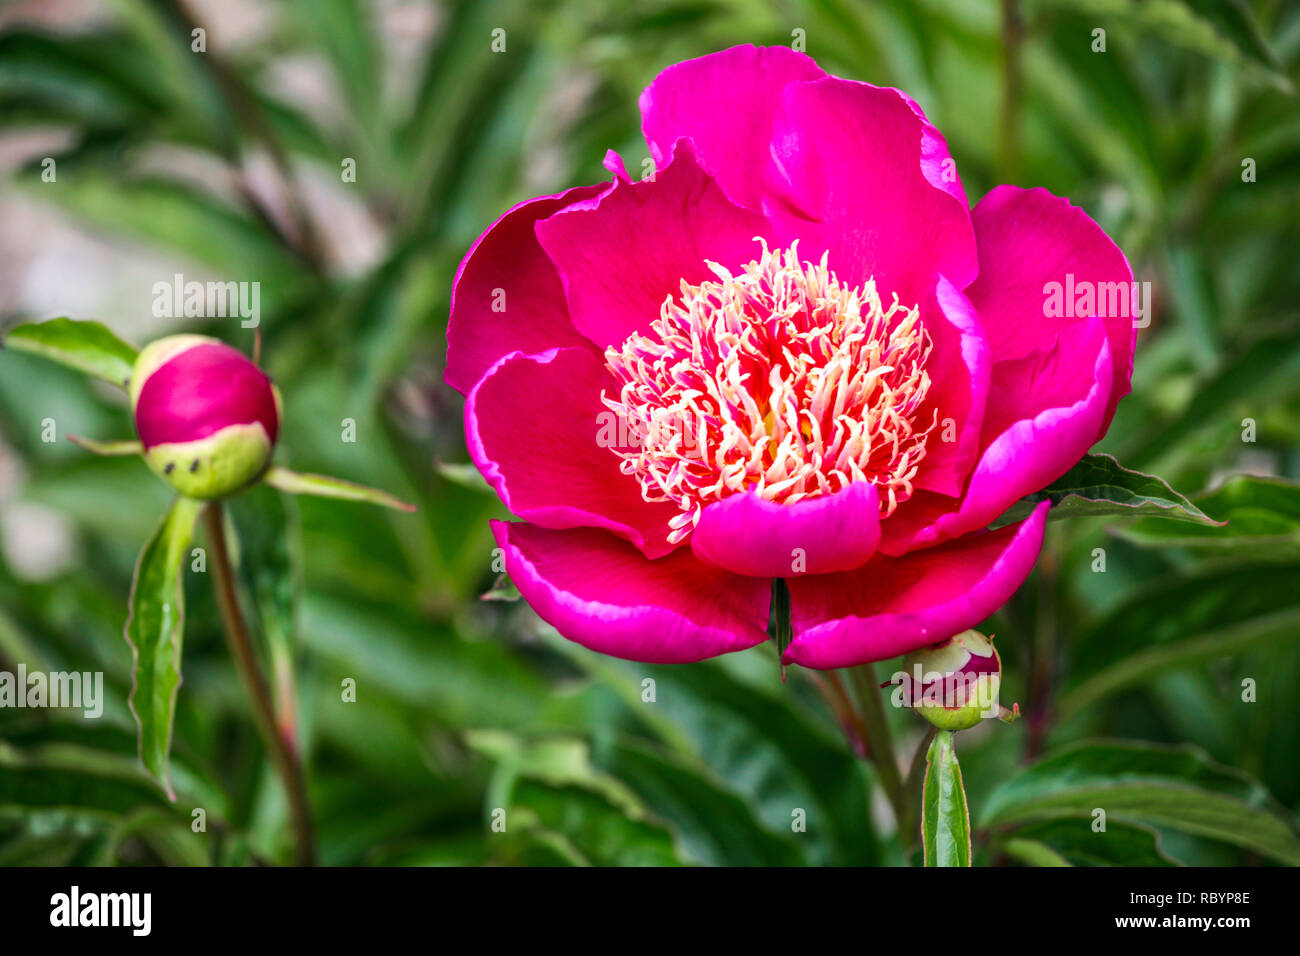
[(953, 684), (207, 416)]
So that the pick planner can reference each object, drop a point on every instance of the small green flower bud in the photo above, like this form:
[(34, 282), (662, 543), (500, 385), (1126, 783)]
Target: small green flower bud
[(953, 684)]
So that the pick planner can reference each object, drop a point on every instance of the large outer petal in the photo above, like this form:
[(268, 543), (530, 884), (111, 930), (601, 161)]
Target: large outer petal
[(602, 593), (507, 260), (623, 254), (753, 536), (1028, 238), (959, 368), (1055, 381), (1023, 454), (857, 170), (725, 103), (891, 606), (532, 423)]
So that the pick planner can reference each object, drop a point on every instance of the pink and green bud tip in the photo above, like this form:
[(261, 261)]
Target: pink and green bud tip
[(953, 684), (206, 415)]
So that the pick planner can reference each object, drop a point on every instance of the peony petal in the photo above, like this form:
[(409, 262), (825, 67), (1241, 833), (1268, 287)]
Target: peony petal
[(753, 536), (507, 296), (959, 369), (623, 254), (604, 594), (891, 606), (1022, 455), (1027, 239), (725, 104), (532, 424), (201, 388), (857, 169)]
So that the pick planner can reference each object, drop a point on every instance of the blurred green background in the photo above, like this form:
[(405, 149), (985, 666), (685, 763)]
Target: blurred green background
[(227, 165)]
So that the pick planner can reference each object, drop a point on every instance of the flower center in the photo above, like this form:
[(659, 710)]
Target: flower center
[(780, 380)]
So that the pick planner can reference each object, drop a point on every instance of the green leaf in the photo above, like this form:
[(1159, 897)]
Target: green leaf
[(549, 784), (714, 825), (945, 820), (464, 474), (1261, 520), (736, 722), (503, 589), (154, 629), (1179, 620), (1161, 659), (82, 781), (1074, 842), (85, 346), (1175, 787), (1033, 852), (108, 449), (1100, 485), (556, 761), (1233, 21), (345, 34), (323, 486), (1224, 29), (591, 829), (1248, 379), (395, 654), (86, 78)]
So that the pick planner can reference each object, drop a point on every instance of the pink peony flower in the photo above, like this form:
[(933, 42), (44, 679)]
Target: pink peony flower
[(794, 352)]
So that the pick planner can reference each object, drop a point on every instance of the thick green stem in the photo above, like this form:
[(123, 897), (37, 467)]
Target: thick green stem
[(882, 741), (282, 749)]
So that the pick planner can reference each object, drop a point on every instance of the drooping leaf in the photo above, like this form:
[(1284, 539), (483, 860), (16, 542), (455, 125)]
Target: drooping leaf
[(1261, 515), (323, 486), (155, 629), (945, 819), (1100, 485), (83, 345), (1175, 787)]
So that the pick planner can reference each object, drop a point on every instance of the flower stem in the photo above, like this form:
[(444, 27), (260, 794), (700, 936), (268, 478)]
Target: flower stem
[(882, 741), (781, 619), (912, 790), (283, 750), (1009, 118)]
